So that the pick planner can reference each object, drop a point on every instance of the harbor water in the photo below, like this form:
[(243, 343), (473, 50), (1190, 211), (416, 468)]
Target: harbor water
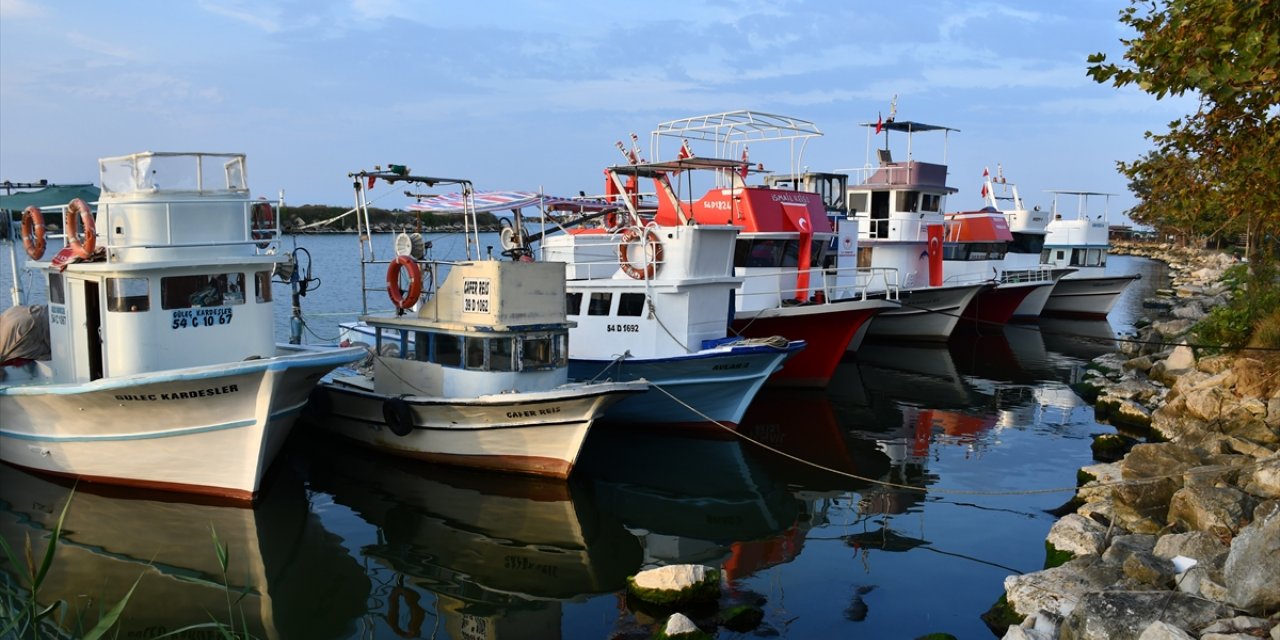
[(891, 504)]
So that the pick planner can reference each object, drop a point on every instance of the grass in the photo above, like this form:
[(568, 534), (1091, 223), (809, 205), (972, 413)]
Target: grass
[(1251, 318)]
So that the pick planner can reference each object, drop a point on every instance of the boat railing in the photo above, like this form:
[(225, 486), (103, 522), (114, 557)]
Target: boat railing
[(154, 224), (895, 174), (1019, 276), (763, 289)]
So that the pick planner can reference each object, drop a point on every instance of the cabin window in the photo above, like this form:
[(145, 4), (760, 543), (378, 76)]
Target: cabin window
[(57, 294), (448, 350), (931, 202), (599, 304), (262, 286), (536, 353), (818, 253), (475, 353), (765, 252), (864, 257), (205, 290), (631, 304), (907, 200), (1029, 243), (422, 346), (502, 354), (128, 294), (857, 202), (790, 253), (1095, 257), (573, 304)]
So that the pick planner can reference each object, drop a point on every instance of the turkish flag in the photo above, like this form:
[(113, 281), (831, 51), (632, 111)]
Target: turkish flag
[(879, 123)]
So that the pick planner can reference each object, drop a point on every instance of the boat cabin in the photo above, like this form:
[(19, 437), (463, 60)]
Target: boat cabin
[(1078, 239), (181, 276), (489, 319)]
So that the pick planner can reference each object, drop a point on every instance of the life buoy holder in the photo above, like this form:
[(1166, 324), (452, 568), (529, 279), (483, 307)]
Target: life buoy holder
[(403, 299), (398, 416), (76, 214), (630, 236), (416, 613), (262, 222), (33, 232)]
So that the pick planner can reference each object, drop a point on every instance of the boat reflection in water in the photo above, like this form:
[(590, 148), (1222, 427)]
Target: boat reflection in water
[(694, 500), (297, 579), (498, 554)]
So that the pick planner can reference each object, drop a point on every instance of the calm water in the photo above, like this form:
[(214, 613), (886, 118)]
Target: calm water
[(349, 544)]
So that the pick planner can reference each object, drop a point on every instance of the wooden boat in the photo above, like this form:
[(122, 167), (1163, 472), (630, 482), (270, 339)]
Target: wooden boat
[(162, 370)]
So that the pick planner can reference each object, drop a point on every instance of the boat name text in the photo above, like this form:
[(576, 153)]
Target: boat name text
[(624, 328), (533, 413), (177, 395), (731, 366), (192, 318), (722, 205), (475, 295), (789, 197)]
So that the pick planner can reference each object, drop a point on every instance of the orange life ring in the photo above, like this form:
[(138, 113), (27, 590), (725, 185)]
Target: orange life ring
[(263, 222), (77, 213), (404, 299), (33, 232), (631, 235), (416, 614)]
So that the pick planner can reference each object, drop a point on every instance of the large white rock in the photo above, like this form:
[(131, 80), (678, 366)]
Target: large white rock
[(1160, 630), (1181, 358), (675, 577), (1078, 535)]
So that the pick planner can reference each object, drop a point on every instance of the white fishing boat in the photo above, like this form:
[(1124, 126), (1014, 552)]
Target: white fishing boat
[(473, 374), (1029, 230), (898, 207), (162, 369), (784, 249), (652, 302), (1081, 241)]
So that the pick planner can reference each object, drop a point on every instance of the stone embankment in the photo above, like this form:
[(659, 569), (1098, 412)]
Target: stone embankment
[(1178, 536)]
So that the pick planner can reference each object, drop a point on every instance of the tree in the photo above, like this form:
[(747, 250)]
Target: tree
[(1215, 170)]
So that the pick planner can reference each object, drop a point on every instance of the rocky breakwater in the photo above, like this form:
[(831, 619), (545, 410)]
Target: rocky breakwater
[(1178, 536)]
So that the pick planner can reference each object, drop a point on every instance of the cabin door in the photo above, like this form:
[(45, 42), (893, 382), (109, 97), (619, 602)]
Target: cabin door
[(86, 327)]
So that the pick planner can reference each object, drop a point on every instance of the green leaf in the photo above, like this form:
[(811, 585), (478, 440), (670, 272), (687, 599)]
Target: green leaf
[(53, 544), (109, 620)]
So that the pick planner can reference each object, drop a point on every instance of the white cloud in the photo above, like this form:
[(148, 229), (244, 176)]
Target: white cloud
[(11, 9), (257, 14)]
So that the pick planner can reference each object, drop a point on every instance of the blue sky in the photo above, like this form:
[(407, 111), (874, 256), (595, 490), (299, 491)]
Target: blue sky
[(534, 94)]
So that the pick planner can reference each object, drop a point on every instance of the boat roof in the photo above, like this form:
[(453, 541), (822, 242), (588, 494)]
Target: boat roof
[(491, 201), (738, 126), (1079, 193), (47, 196), (659, 169), (907, 126)]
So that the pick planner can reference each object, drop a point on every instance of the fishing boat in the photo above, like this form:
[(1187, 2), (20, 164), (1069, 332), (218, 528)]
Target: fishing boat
[(898, 207), (1081, 241), (791, 286), (1028, 228), (161, 368), (652, 302), (471, 369), (976, 245)]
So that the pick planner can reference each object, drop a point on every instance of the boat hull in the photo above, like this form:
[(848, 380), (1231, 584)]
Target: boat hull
[(1087, 297), (208, 430), (704, 389), (995, 307), (827, 329), (534, 433), (929, 314)]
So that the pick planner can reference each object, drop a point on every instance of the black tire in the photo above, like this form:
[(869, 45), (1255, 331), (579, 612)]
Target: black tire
[(398, 416)]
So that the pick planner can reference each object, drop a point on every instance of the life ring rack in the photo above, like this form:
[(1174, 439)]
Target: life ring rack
[(77, 213), (33, 232), (632, 235), (404, 298)]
